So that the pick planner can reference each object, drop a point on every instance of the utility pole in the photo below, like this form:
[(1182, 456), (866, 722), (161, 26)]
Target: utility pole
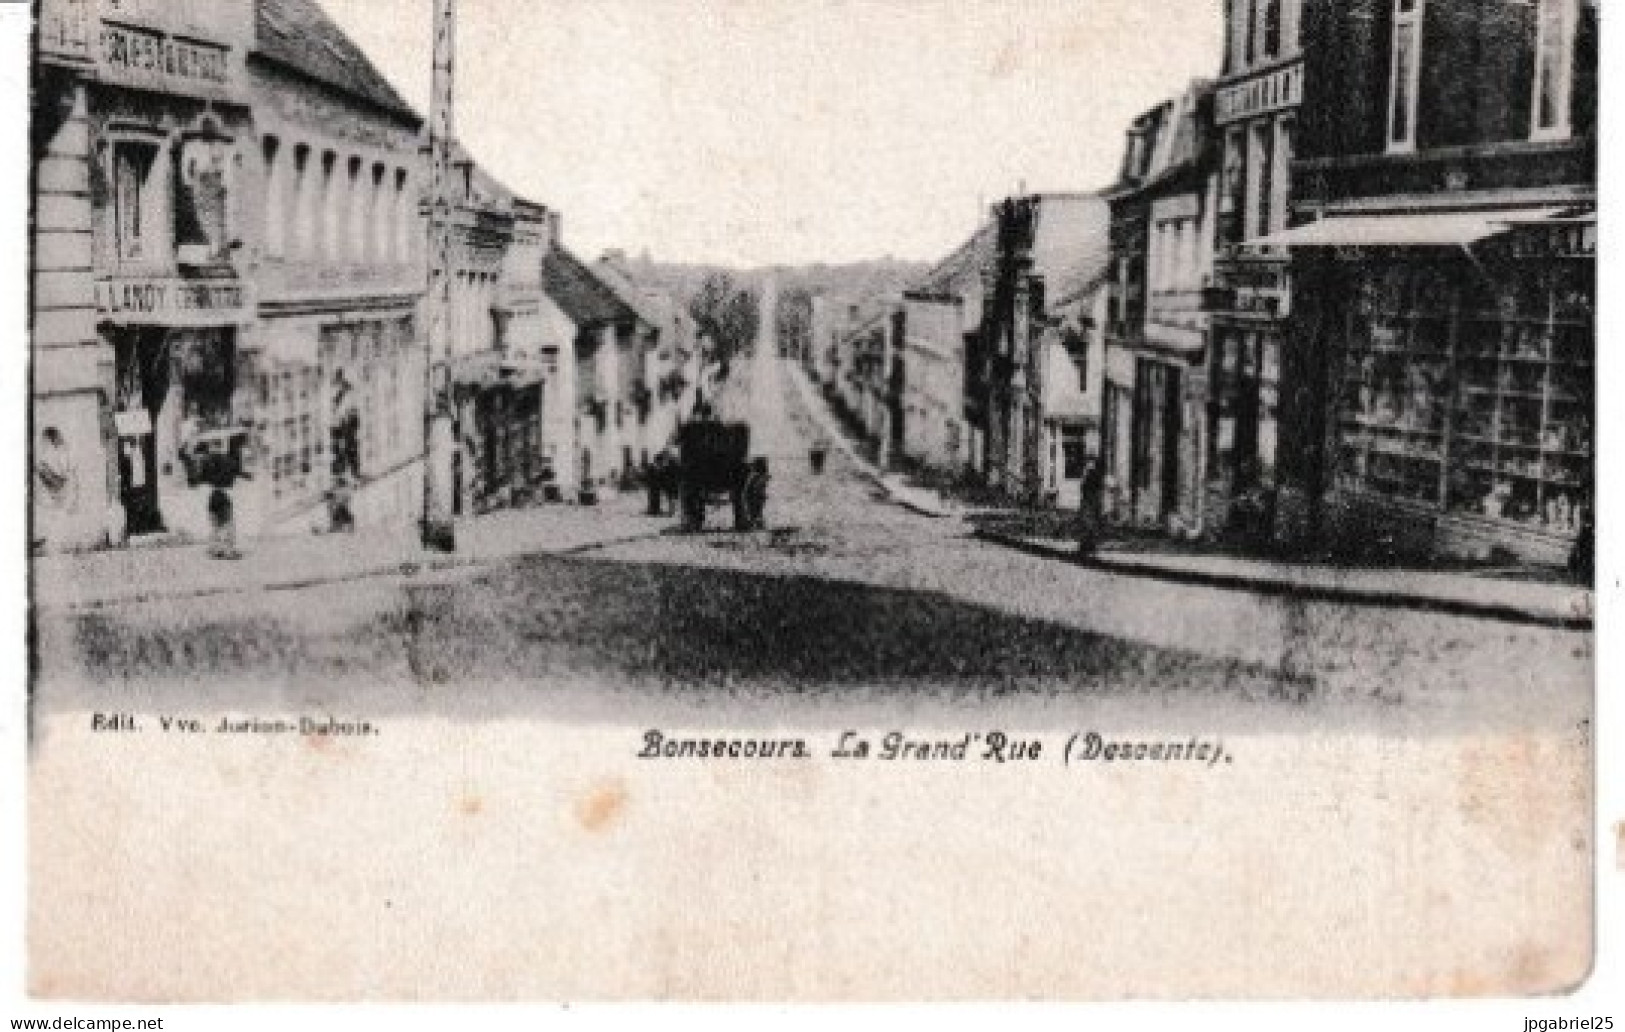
[(438, 529)]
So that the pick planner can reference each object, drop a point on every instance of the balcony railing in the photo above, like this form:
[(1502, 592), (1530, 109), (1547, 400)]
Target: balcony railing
[(67, 30)]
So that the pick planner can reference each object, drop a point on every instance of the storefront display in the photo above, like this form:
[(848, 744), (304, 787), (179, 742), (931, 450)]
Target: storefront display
[(1468, 387)]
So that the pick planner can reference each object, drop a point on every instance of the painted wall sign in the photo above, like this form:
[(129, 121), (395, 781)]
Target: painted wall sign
[(173, 302)]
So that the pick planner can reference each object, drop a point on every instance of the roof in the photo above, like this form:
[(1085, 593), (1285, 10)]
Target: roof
[(299, 35), (579, 293), (967, 260), (613, 272)]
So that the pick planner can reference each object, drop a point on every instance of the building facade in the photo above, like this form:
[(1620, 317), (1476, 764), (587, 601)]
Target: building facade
[(1046, 247), (340, 241), (1255, 115), (1154, 422), (1443, 338), (139, 146)]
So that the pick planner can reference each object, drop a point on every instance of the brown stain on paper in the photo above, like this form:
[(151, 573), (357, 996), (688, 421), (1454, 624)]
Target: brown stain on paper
[(597, 810)]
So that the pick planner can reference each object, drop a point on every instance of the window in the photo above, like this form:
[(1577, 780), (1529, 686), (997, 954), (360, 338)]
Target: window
[(1250, 33), (382, 225), (1280, 182), (1554, 68), (1405, 75), (330, 206), (134, 200), (404, 217), (356, 202), (304, 200), (1271, 30), (275, 228)]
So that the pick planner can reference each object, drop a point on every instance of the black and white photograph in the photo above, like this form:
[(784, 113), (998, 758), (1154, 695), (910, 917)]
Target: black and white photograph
[(792, 501)]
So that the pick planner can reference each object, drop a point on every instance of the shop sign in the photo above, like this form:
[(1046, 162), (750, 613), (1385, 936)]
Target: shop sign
[(133, 422), (1272, 91), (1258, 288), (1559, 240), (151, 59), (166, 301)]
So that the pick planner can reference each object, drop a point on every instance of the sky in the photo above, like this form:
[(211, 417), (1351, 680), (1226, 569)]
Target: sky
[(751, 132)]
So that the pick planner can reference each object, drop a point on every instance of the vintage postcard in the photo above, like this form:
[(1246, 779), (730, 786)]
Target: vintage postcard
[(811, 500)]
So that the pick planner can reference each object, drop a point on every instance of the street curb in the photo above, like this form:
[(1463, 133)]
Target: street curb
[(406, 568), (1300, 592)]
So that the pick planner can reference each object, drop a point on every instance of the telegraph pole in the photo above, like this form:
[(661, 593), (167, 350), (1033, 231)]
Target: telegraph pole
[(438, 529)]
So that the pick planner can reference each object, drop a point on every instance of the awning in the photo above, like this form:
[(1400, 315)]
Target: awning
[(1416, 229)]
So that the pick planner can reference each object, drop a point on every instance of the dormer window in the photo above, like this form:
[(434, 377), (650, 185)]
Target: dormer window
[(1554, 68), (1405, 75)]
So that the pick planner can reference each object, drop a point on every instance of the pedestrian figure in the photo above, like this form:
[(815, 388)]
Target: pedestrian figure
[(1582, 556), (219, 469), (654, 474), (820, 451), (1091, 502), (345, 429), (756, 494), (671, 478), (341, 505)]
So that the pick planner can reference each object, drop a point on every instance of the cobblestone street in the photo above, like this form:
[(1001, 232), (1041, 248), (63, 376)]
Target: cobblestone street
[(845, 597)]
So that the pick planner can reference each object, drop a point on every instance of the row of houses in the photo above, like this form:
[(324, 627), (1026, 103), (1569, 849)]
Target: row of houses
[(229, 239), (1341, 294)]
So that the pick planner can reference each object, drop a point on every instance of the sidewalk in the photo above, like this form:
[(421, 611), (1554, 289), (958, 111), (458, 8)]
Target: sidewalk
[(94, 580), (897, 488), (1566, 606)]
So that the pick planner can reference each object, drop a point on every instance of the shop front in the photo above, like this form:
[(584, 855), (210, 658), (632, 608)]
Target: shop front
[(500, 459), (1247, 327), (1461, 388), (175, 395)]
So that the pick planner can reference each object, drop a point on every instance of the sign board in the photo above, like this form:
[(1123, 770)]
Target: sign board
[(169, 301), (133, 422)]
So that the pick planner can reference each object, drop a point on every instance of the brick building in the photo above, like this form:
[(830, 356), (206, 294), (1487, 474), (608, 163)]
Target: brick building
[(1439, 374)]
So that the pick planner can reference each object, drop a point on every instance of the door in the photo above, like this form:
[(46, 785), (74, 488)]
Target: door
[(1173, 409), (138, 483)]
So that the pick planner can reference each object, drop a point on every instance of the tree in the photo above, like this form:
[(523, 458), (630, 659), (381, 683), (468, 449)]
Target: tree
[(726, 314), (794, 322)]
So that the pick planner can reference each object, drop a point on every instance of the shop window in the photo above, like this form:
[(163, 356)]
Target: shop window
[(1471, 395), (1554, 68), (136, 204), (1405, 74)]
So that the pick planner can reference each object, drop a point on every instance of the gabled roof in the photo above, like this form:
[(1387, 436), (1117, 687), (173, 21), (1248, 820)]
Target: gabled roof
[(612, 270), (579, 293), (967, 260), (299, 35)]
